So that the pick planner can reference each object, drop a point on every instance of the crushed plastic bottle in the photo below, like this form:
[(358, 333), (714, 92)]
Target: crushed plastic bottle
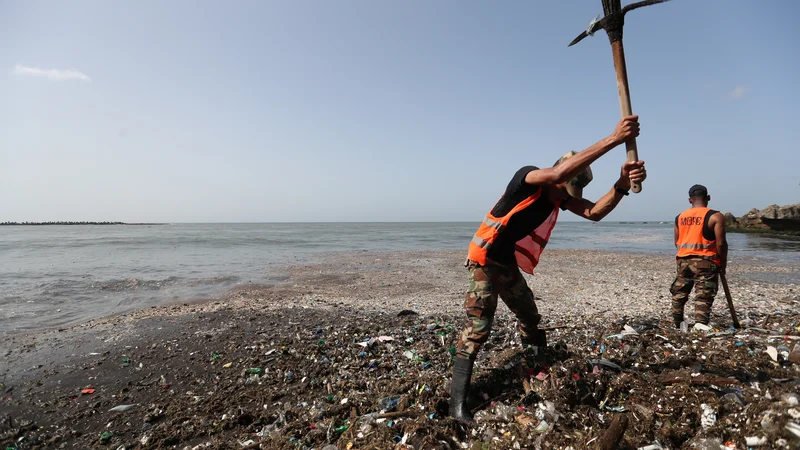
[(709, 416)]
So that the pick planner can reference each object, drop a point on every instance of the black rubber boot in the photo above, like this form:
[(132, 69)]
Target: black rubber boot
[(533, 348), (539, 339), (462, 372), (677, 320)]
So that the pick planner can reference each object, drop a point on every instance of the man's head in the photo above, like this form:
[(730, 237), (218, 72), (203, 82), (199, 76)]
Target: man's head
[(578, 182), (698, 195)]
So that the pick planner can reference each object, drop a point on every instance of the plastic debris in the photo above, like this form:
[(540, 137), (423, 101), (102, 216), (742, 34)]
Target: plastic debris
[(605, 364), (389, 403), (773, 353), (794, 356), (754, 441), (709, 416), (794, 429), (790, 399), (734, 395), (629, 330), (307, 395), (122, 408), (654, 446)]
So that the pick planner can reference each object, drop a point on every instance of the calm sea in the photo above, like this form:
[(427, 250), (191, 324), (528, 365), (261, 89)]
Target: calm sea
[(54, 276)]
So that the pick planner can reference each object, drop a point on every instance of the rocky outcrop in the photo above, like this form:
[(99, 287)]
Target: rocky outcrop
[(773, 218)]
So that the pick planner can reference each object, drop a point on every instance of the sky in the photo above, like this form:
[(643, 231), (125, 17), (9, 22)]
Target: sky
[(360, 110)]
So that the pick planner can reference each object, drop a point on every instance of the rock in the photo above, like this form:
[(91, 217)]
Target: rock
[(773, 218), (730, 220)]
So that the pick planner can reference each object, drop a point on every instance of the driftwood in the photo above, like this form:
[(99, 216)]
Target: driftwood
[(613, 435), (700, 380)]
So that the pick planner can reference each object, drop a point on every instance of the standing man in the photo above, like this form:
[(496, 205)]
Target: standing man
[(513, 235), (702, 255)]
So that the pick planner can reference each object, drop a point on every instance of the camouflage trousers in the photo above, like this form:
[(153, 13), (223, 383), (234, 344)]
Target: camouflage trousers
[(486, 283), (701, 274)]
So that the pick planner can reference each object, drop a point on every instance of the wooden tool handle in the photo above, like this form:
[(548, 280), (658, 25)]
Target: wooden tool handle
[(625, 101), (724, 280)]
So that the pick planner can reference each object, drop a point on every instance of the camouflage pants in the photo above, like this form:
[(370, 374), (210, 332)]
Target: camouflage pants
[(486, 283), (701, 274)]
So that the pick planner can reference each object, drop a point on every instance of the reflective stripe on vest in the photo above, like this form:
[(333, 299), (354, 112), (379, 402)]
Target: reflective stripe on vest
[(691, 239), (527, 249), (699, 246), (480, 242), (493, 224)]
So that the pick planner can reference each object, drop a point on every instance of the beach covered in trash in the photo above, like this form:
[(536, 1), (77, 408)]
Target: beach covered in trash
[(353, 358)]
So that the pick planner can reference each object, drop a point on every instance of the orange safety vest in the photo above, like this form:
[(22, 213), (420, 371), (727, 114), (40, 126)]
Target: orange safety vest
[(527, 249), (691, 241)]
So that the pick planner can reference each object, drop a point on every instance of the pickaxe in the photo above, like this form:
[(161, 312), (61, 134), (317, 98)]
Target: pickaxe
[(613, 22)]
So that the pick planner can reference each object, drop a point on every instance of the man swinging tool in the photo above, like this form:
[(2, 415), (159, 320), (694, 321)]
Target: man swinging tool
[(512, 237)]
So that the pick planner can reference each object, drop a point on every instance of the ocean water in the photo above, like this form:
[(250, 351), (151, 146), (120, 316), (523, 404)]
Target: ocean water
[(52, 276)]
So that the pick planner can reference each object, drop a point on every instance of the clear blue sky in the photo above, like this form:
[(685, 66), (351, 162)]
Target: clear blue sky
[(363, 110)]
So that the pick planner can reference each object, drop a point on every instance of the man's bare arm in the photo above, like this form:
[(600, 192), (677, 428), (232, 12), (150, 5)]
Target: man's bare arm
[(676, 233), (631, 171), (627, 128), (595, 211)]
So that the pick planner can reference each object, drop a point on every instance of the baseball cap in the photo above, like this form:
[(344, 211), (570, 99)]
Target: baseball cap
[(698, 190)]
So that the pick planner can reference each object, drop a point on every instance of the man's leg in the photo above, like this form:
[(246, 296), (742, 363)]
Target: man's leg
[(480, 305), (516, 294), (680, 290), (706, 275)]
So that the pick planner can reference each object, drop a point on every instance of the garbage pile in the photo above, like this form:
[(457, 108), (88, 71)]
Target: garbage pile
[(335, 379)]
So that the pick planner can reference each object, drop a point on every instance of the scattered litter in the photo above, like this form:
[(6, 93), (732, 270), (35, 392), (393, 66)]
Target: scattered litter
[(709, 416), (773, 353), (790, 399), (654, 446), (628, 330), (307, 381), (606, 364), (754, 441), (794, 429), (122, 408), (701, 327)]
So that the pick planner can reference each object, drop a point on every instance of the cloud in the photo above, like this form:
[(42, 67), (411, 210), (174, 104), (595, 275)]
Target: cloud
[(51, 74), (739, 92)]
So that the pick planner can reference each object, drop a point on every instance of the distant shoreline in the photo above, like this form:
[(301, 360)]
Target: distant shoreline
[(71, 223), (777, 234)]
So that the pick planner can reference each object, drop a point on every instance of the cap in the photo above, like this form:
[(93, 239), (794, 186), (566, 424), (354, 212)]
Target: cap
[(578, 182), (698, 190)]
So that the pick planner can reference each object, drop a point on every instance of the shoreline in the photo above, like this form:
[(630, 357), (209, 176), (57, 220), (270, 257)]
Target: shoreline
[(551, 262)]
